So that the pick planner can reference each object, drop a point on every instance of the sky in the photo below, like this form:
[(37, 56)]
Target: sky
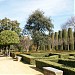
[(58, 10)]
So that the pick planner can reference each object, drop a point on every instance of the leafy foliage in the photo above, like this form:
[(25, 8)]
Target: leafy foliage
[(38, 22), (7, 24), (37, 26), (8, 37), (70, 39)]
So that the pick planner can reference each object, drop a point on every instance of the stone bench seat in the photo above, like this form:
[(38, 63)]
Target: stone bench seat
[(52, 71), (17, 58)]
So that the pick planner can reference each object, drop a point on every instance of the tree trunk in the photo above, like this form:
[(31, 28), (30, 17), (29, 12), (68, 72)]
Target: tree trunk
[(9, 50), (68, 47), (37, 46)]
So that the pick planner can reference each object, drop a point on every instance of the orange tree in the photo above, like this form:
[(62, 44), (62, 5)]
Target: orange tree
[(7, 38)]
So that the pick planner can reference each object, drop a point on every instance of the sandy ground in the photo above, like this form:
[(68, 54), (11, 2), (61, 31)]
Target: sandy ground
[(10, 67)]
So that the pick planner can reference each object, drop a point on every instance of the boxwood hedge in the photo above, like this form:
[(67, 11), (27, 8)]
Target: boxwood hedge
[(66, 70), (31, 60), (67, 62)]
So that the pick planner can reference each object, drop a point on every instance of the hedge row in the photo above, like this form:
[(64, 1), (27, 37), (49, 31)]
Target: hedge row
[(39, 54), (27, 58), (66, 70), (31, 60), (65, 56), (67, 62), (46, 62)]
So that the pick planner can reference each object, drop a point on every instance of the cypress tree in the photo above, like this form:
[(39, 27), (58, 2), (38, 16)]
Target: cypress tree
[(52, 40), (71, 39), (60, 46), (56, 40), (49, 43), (64, 38), (74, 39)]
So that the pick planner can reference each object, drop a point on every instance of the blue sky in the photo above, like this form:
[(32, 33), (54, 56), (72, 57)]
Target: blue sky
[(58, 10)]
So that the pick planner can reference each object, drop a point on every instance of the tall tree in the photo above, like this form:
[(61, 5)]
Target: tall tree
[(70, 24), (70, 39), (56, 40), (64, 38), (7, 24), (52, 41), (37, 26), (60, 40)]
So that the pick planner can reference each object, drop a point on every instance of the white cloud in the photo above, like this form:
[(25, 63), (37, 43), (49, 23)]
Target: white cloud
[(21, 9), (51, 7), (74, 7)]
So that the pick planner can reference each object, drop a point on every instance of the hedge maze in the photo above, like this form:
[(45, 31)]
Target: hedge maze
[(64, 62)]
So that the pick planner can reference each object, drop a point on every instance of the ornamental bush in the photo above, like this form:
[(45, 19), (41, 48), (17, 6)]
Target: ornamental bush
[(8, 37)]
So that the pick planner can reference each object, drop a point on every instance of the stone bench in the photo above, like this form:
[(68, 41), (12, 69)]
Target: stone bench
[(19, 58), (52, 71)]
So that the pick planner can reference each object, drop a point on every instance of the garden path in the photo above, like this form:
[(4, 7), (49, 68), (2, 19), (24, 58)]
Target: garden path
[(10, 67)]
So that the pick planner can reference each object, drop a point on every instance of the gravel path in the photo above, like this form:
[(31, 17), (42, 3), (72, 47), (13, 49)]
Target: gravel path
[(10, 67)]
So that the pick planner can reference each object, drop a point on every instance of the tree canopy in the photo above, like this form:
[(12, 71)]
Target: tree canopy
[(8, 37), (7, 24), (38, 26), (38, 22)]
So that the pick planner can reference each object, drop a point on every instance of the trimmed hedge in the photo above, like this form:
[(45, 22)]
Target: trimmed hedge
[(72, 57), (67, 62), (27, 58), (42, 54), (66, 70), (39, 54), (64, 56), (31, 60)]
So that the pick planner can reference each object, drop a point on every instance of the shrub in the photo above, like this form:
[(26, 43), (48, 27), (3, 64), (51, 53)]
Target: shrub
[(28, 59), (64, 56), (66, 70), (31, 60), (39, 54), (42, 54), (67, 62)]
